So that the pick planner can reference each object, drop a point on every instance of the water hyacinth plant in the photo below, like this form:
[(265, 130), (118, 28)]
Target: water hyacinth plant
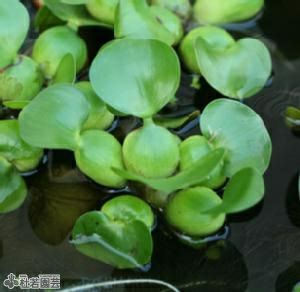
[(193, 183)]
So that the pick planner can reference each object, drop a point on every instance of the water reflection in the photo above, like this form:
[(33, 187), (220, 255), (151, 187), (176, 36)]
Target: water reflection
[(219, 267), (59, 195)]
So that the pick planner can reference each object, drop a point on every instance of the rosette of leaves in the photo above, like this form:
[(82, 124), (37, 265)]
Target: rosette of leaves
[(61, 53), (64, 117), (136, 19), (236, 69), (15, 156), (222, 12), (119, 234)]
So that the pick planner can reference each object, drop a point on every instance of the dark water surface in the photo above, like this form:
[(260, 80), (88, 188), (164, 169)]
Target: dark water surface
[(262, 253)]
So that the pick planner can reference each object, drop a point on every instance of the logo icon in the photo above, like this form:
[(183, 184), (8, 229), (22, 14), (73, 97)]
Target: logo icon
[(11, 281)]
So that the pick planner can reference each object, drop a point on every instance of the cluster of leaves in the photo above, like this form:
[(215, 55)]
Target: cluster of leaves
[(138, 74)]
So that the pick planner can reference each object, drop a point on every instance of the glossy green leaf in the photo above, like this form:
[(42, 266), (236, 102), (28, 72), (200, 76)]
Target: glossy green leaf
[(129, 208), (54, 44), (221, 12), (185, 211), (244, 190), (21, 81), (54, 118), (76, 15), (96, 154), (216, 37), (136, 77), (66, 70), (13, 190), (237, 128), (23, 156), (120, 244), (181, 8), (239, 71), (192, 176), (134, 19), (100, 117), (14, 25), (151, 151), (103, 10)]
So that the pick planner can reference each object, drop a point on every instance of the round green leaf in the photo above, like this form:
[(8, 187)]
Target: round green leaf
[(216, 37), (221, 12), (97, 153), (13, 189), (100, 117), (128, 208), (151, 151), (14, 25), (54, 44), (134, 19), (54, 118), (21, 81), (237, 128), (244, 190), (120, 244), (103, 10), (137, 77), (239, 71), (185, 212), (23, 156)]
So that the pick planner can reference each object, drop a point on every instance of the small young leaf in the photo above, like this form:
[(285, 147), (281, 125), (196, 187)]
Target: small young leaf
[(189, 177), (103, 10), (292, 118), (13, 190), (136, 77), (54, 44), (21, 81), (134, 19), (221, 12), (122, 245), (54, 118), (244, 190), (66, 70), (239, 71), (14, 25), (23, 156), (186, 211), (16, 104), (241, 131), (128, 208), (97, 152), (100, 117), (74, 14)]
